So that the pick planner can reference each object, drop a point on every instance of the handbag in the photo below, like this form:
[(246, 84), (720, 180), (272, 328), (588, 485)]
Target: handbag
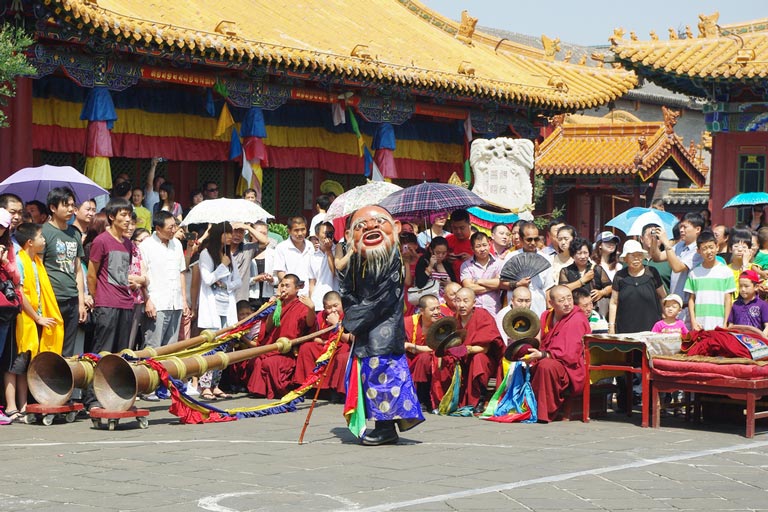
[(415, 294)]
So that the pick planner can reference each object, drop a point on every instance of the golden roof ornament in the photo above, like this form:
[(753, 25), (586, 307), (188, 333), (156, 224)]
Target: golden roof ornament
[(551, 46), (466, 68), (633, 35), (708, 25), (599, 58), (583, 60), (617, 37), (558, 82), (672, 34), (654, 36), (670, 119), (361, 51), (688, 32), (467, 28), (454, 180), (227, 28), (568, 56)]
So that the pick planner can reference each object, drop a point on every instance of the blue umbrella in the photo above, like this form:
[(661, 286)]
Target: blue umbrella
[(747, 199), (624, 221)]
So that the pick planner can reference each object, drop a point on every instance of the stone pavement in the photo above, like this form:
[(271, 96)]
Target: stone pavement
[(445, 464)]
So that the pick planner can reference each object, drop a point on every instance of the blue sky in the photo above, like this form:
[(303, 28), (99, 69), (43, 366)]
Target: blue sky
[(589, 22)]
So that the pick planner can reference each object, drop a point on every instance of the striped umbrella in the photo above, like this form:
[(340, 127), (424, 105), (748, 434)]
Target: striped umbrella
[(424, 199)]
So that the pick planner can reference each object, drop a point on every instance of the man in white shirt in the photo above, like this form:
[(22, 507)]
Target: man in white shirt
[(539, 284), (321, 205), (292, 256), (322, 269), (166, 301)]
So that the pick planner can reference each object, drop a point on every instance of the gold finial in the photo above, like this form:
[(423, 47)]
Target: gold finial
[(454, 180), (583, 60), (708, 25), (568, 56), (551, 46), (672, 34), (618, 35), (467, 28), (688, 32), (706, 140), (653, 35), (633, 36)]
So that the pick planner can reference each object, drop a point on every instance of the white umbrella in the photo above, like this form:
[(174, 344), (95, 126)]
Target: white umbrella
[(651, 217), (226, 210)]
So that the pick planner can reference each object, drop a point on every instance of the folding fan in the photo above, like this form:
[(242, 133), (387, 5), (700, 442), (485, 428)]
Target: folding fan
[(525, 264)]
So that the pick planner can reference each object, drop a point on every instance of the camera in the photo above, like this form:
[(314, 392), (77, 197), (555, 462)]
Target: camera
[(9, 291)]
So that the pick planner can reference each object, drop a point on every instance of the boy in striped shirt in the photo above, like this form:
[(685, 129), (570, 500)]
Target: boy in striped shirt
[(710, 286)]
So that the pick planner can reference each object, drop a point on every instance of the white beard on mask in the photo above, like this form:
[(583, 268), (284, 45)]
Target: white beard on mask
[(377, 258)]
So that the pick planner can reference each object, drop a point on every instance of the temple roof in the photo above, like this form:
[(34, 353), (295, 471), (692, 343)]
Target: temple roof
[(606, 147), (736, 53), (397, 42)]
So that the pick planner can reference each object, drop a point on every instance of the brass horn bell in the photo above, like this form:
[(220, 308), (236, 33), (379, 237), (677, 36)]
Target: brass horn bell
[(52, 378), (443, 335)]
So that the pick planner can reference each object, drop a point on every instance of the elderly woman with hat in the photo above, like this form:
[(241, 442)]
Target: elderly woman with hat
[(637, 293)]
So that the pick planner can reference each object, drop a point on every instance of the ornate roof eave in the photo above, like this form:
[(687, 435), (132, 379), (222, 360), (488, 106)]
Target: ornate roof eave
[(721, 57), (215, 49)]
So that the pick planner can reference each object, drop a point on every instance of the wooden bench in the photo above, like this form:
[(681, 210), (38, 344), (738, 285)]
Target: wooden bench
[(741, 382)]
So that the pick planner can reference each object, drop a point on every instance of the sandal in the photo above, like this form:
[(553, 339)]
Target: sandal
[(16, 416), (221, 394), (207, 395)]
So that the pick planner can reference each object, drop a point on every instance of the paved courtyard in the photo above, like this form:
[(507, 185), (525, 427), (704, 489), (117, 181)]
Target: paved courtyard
[(445, 464)]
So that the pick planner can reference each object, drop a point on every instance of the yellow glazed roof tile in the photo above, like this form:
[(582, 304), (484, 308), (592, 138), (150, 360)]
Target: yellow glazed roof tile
[(623, 148), (394, 41), (731, 52)]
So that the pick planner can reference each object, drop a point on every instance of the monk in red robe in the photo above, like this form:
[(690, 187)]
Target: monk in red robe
[(558, 364), (448, 307), (419, 354), (331, 314), (479, 355), (273, 373)]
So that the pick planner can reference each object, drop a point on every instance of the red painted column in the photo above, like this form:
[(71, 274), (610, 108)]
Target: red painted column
[(16, 139)]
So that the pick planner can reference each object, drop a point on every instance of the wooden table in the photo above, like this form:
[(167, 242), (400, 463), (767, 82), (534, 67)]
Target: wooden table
[(627, 347)]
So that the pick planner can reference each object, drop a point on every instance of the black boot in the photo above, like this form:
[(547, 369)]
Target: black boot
[(422, 393), (383, 433)]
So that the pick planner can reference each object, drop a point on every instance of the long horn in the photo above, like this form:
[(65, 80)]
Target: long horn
[(117, 383), (204, 336), (52, 378)]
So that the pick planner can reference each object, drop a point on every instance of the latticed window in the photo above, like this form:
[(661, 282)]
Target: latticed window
[(61, 159), (289, 192)]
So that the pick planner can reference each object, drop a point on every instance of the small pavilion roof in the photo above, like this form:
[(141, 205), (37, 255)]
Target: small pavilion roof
[(606, 147)]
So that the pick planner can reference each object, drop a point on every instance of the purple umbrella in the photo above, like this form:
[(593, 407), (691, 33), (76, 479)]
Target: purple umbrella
[(35, 183), (422, 200)]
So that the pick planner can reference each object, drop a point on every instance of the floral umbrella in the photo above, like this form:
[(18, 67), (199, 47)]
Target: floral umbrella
[(364, 195)]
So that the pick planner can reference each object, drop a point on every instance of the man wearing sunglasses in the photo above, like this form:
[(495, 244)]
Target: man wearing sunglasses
[(211, 190), (539, 284)]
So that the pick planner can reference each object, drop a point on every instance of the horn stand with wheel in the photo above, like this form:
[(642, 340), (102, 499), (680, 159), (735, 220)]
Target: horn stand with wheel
[(117, 383), (52, 378)]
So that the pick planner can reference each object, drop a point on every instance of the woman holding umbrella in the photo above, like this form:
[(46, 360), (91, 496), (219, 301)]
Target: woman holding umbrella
[(216, 307)]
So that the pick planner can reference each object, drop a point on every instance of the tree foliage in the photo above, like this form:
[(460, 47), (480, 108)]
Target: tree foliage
[(13, 63)]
